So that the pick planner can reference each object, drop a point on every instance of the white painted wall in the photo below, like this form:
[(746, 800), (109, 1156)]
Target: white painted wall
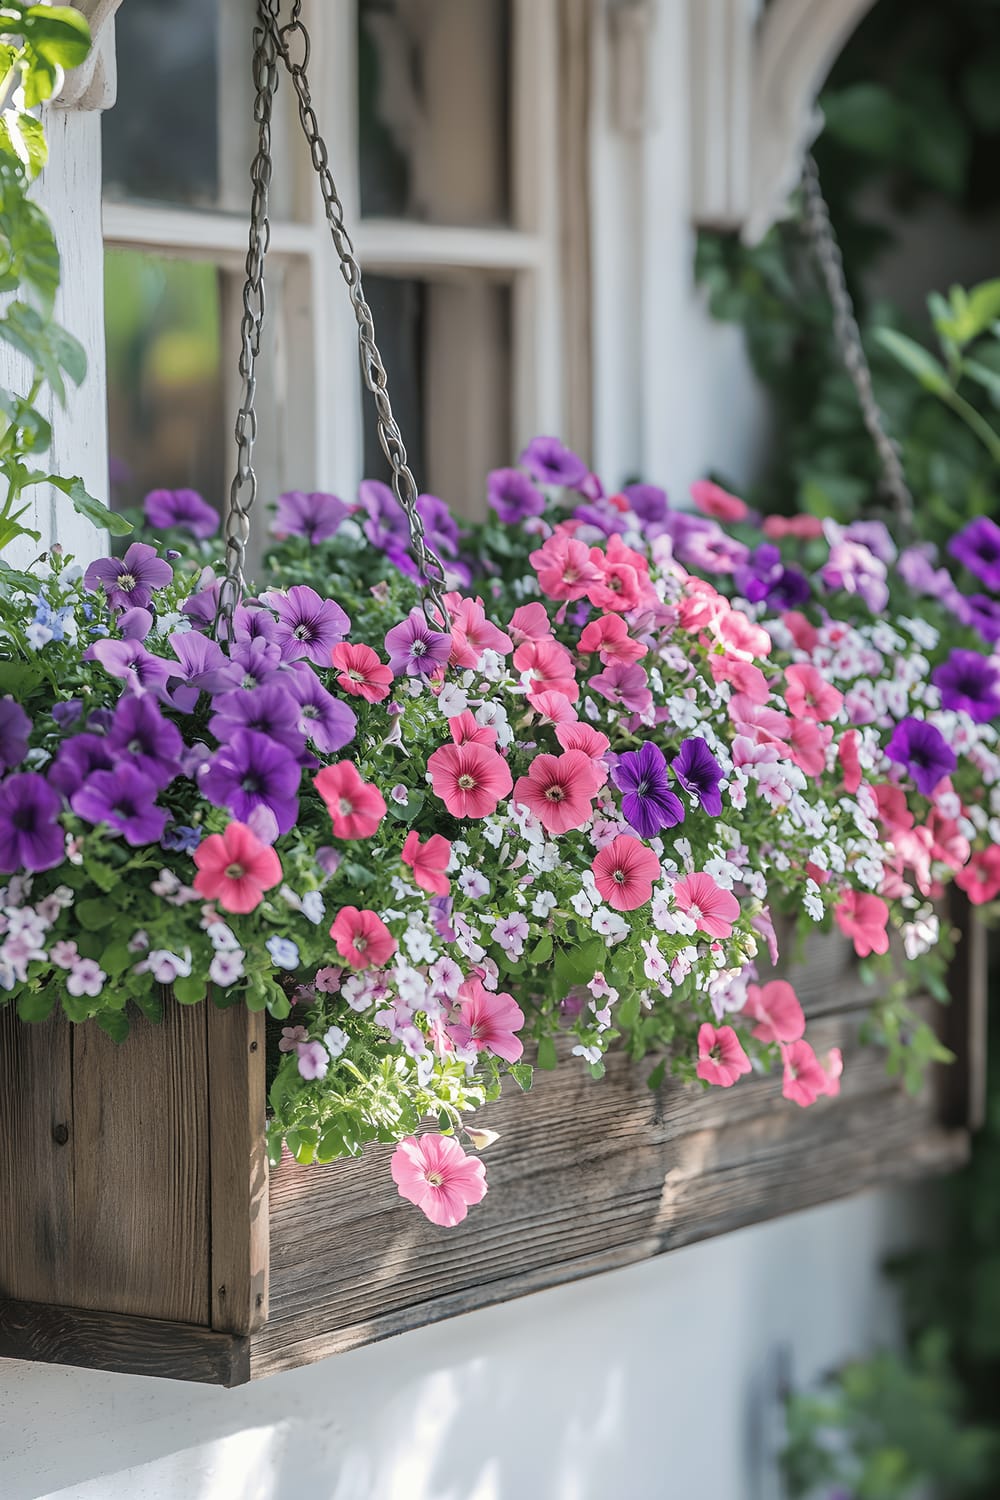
[(653, 1383)]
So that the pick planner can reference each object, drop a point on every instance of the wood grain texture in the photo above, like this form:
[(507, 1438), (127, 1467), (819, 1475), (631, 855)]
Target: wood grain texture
[(129, 1346), (238, 1166), (964, 1027)]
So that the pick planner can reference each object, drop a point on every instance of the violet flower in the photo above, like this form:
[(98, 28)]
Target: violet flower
[(440, 526), (132, 579), (67, 713), (203, 668), (551, 462), (307, 625), (977, 547), (76, 759), (924, 752), (699, 773), (387, 527), (969, 683), (129, 661), (513, 496), (328, 722), (648, 502), (31, 837), (915, 567), (983, 614), (268, 710), (134, 624), (602, 517), (258, 660), (183, 509), (15, 727), (125, 800), (624, 684), (253, 771), (415, 650), (254, 622), (708, 547), (142, 737), (313, 515), (855, 569), (875, 536), (762, 569), (647, 801), (201, 608), (179, 838)]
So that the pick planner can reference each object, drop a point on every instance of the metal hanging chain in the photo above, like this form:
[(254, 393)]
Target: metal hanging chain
[(848, 338), (243, 490), (292, 44)]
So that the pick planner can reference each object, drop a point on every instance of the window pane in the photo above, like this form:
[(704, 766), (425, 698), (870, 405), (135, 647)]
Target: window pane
[(434, 103), (166, 422), (182, 131), (446, 347)]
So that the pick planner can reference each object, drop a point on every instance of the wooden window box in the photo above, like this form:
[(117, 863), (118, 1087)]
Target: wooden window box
[(142, 1233)]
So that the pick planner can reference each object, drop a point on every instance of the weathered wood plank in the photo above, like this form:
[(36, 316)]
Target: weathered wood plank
[(139, 1237), (128, 1346), (238, 1166), (964, 1028)]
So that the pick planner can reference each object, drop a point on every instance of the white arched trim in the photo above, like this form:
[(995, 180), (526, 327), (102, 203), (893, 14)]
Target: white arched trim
[(754, 82), (92, 84)]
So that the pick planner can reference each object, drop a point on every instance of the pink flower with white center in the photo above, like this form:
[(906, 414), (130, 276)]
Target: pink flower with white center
[(776, 1009), (600, 989), (564, 567), (227, 966), (64, 954), (466, 730), (721, 1059), (86, 978), (399, 794), (312, 1060), (804, 1078), (437, 1175), (488, 1022), (546, 666), (712, 909), (511, 933), (290, 1038)]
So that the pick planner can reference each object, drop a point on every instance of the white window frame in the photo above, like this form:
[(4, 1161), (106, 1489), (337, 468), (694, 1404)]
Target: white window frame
[(317, 362)]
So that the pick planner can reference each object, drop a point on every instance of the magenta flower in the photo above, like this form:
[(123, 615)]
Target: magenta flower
[(132, 579), (307, 625), (414, 649), (699, 773), (183, 509), (125, 800), (969, 683), (313, 515), (437, 1175), (141, 736), (30, 835), (204, 668), (253, 771), (624, 683), (550, 461), (15, 727), (129, 661), (513, 496)]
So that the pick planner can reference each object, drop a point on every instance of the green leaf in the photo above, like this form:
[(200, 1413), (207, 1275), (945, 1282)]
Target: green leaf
[(41, 78), (11, 578), (57, 33), (542, 951), (85, 505), (115, 1023), (278, 1004), (655, 1079), (116, 958), (150, 1004), (522, 1074), (628, 1010), (24, 137), (916, 359), (36, 1005), (94, 914), (189, 990), (19, 677), (547, 1059), (578, 965)]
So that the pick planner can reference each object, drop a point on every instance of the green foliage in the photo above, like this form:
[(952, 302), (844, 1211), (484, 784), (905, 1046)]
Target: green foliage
[(37, 43)]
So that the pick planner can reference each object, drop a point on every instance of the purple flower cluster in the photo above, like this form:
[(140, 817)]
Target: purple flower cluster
[(648, 801), (763, 578), (181, 510)]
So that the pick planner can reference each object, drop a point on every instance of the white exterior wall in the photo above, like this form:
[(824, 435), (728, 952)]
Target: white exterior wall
[(649, 1383)]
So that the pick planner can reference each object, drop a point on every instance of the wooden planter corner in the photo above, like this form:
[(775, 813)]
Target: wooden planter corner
[(142, 1234)]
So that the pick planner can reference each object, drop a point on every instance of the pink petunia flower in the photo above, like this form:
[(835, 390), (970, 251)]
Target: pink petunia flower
[(710, 908), (472, 633), (470, 779), (806, 528), (235, 868), (980, 879), (623, 684), (564, 567), (804, 1078), (529, 623), (850, 765), (701, 605), (776, 1009), (559, 790), (833, 1067), (362, 938), (741, 637), (361, 672), (742, 676), (618, 587), (356, 807), (863, 918), (428, 861), (808, 741), (581, 736), (548, 666), (712, 500), (439, 1177), (312, 1060), (553, 708), (487, 1021), (809, 695), (609, 637), (465, 730), (721, 1059), (625, 872)]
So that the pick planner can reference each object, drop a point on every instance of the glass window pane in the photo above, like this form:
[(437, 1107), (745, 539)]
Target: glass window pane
[(434, 110), (182, 131), (166, 426), (446, 348)]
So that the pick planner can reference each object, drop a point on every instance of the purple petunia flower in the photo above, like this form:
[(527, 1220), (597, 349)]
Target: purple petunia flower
[(854, 568), (977, 547), (132, 579), (134, 624), (551, 462), (30, 835), (184, 509), (604, 519), (875, 536), (647, 801), (327, 721), (759, 573), (142, 737), (76, 759), (648, 502), (513, 496), (440, 526), (386, 527), (699, 773), (15, 727), (983, 614), (138, 668), (312, 514), (125, 800), (789, 591), (924, 751), (179, 838), (253, 623), (253, 771), (414, 649), (969, 683), (203, 668), (201, 608), (623, 683), (268, 710), (67, 713), (307, 625), (258, 660)]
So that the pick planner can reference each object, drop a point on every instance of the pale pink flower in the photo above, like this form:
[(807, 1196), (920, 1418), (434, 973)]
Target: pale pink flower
[(439, 1177), (488, 1022), (712, 909)]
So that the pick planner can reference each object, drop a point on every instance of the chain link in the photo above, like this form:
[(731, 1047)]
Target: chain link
[(292, 44), (848, 338)]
